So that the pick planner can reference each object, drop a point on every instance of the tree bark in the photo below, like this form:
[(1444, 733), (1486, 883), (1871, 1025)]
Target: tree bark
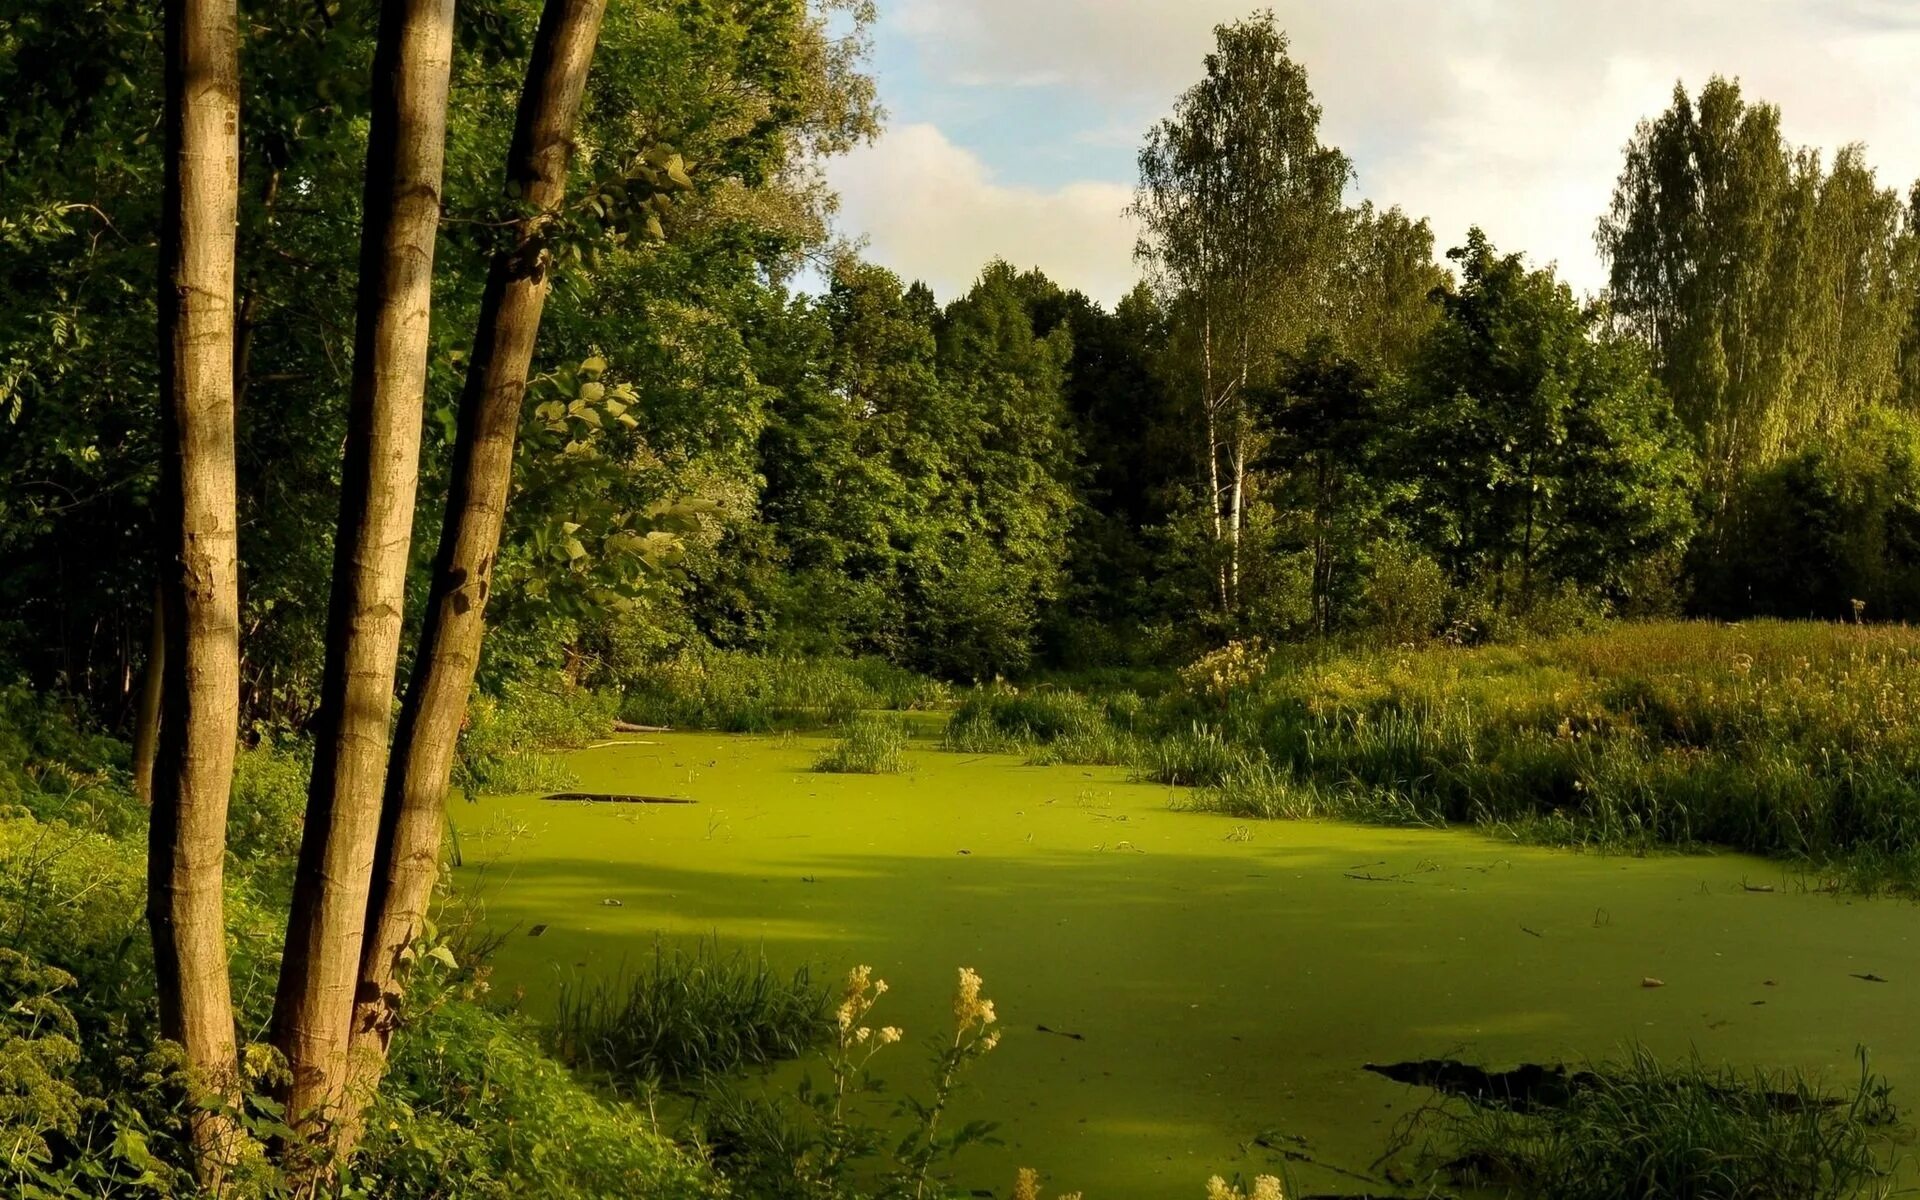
[(199, 577), (313, 1006), (408, 859), (146, 721)]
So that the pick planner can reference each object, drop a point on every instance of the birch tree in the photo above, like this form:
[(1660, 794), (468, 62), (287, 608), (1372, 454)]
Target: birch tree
[(1241, 216), (400, 220), (199, 584), (518, 280)]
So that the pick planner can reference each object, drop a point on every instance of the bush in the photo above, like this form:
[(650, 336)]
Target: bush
[(1404, 598), (867, 746), (688, 1014), (54, 767), (1835, 523), (269, 805)]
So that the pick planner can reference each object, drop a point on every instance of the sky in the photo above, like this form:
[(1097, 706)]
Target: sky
[(1013, 125)]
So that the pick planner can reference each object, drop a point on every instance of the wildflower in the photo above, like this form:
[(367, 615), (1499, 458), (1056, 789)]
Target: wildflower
[(1265, 1187), (966, 998), (1026, 1184), (891, 1034)]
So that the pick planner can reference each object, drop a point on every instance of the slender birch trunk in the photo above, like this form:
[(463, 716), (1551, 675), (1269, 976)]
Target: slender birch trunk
[(313, 1006), (408, 859), (199, 576), (1210, 405)]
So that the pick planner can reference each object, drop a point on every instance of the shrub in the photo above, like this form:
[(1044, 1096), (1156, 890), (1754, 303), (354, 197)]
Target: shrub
[(688, 1014), (867, 746), (269, 805), (1404, 598)]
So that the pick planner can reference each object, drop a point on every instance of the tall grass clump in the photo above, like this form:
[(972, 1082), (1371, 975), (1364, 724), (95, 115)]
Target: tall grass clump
[(1050, 724), (690, 1013), (1642, 1128), (868, 745), (735, 692), (508, 742), (1199, 756)]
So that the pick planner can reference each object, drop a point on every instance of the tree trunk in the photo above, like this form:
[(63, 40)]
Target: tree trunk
[(380, 473), (490, 410), (187, 832), (1210, 406), (146, 721)]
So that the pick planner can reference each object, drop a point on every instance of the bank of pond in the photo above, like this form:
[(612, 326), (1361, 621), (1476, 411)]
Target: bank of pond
[(1354, 1009)]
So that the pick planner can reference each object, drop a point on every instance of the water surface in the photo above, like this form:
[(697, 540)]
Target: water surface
[(1227, 979)]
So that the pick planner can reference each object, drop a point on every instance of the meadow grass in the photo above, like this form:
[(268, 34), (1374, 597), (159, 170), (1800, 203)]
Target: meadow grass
[(868, 745), (685, 1014), (1796, 740), (1645, 1128)]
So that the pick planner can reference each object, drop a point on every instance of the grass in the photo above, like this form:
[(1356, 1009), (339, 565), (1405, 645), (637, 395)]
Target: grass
[(505, 746), (735, 692), (689, 1014), (868, 745), (1645, 1128), (1796, 740), (1051, 725)]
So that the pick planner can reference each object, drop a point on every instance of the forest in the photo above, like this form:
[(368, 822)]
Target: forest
[(515, 632)]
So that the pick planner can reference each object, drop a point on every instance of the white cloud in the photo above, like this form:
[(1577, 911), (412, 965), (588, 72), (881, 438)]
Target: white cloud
[(1510, 114), (933, 211)]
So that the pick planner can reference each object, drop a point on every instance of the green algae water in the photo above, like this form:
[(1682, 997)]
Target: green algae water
[(1210, 989)]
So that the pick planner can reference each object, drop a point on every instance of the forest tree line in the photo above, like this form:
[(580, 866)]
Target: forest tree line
[(1307, 420)]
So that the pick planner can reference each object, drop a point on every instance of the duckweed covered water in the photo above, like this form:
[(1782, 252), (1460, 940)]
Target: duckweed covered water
[(1227, 981)]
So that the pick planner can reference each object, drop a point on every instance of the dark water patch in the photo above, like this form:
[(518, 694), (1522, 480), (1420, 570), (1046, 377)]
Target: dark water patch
[(1531, 1087), (617, 798)]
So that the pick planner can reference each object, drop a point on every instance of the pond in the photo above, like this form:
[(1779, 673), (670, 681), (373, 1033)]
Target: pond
[(1212, 989)]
